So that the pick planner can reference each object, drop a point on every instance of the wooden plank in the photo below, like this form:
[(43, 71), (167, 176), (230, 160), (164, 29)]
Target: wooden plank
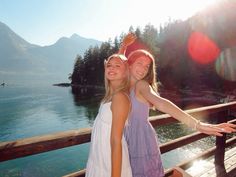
[(179, 142), (29, 146), (210, 169), (168, 172), (230, 162), (197, 112), (188, 163), (177, 172), (80, 173)]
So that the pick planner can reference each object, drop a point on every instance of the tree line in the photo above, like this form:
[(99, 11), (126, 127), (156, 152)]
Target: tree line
[(168, 44)]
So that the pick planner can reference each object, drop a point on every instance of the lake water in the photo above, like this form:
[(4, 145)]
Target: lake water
[(27, 111)]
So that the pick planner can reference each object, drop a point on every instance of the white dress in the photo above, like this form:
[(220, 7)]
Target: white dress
[(99, 160)]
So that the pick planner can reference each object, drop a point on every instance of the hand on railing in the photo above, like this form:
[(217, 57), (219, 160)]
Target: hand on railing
[(216, 129)]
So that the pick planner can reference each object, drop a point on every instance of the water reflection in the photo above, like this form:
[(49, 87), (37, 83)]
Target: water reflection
[(87, 92), (89, 98)]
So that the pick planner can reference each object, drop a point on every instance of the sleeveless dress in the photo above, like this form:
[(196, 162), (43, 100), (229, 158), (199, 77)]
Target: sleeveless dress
[(99, 160), (142, 141)]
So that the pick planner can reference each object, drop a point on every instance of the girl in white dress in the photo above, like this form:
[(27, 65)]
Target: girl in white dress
[(108, 155)]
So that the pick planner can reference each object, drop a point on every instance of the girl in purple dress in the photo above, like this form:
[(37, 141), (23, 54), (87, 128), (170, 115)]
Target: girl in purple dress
[(141, 138)]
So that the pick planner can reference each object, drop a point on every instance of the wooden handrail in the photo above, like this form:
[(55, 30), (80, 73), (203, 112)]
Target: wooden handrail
[(196, 112), (179, 142), (39, 144), (183, 165)]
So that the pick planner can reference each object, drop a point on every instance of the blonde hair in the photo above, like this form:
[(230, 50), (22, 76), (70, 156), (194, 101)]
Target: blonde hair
[(151, 74), (124, 87)]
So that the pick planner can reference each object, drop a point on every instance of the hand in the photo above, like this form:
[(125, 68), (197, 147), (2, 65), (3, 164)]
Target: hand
[(216, 129), (129, 39)]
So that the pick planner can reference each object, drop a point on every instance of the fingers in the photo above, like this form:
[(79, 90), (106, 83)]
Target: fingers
[(131, 34), (224, 130), (218, 134), (216, 130), (227, 127), (213, 132), (232, 125), (130, 37)]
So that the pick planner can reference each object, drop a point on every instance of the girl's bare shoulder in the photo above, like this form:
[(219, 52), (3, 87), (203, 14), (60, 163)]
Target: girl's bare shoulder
[(142, 84), (120, 97)]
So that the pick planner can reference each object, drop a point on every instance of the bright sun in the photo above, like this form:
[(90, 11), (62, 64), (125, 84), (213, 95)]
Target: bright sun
[(159, 12), (187, 8)]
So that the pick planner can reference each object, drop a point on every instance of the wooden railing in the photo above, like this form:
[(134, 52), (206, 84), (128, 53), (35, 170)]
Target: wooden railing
[(39, 144)]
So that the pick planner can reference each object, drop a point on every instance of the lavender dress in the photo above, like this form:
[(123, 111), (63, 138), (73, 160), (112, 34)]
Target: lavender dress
[(142, 142)]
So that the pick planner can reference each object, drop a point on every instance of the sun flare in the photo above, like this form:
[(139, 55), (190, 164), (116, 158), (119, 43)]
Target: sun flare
[(158, 12), (188, 8), (198, 166)]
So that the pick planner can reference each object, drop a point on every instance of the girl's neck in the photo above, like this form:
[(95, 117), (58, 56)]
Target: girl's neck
[(114, 86), (132, 82)]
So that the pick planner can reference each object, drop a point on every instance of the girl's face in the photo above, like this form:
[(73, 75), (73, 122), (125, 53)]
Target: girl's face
[(139, 68), (115, 70)]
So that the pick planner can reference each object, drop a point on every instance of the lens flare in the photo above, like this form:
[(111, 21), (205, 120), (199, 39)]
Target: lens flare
[(226, 64), (198, 166), (202, 49)]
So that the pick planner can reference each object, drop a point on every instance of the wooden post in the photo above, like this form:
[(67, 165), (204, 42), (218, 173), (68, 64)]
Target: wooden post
[(220, 141)]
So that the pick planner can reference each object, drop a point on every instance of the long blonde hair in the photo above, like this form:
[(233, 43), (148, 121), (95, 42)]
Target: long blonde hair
[(151, 74), (124, 87)]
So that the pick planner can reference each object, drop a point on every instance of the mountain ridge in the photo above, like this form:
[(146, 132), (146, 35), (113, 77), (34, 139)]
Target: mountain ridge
[(18, 57)]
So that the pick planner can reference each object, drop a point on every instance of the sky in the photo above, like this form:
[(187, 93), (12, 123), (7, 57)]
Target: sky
[(43, 22)]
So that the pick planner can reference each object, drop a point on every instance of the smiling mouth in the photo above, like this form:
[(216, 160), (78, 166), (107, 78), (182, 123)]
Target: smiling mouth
[(111, 73)]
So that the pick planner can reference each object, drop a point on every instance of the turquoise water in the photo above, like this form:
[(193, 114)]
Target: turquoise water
[(27, 111)]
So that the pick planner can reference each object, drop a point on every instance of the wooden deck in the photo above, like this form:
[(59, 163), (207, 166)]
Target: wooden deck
[(201, 168), (207, 167)]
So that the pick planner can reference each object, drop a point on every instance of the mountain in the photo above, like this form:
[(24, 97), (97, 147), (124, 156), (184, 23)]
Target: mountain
[(23, 61), (13, 50)]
